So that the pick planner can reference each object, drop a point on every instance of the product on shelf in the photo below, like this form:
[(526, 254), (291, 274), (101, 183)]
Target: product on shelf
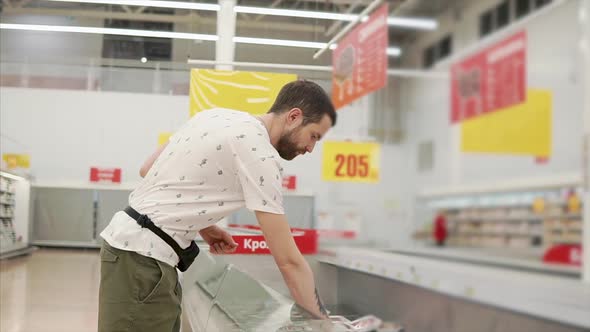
[(525, 220)]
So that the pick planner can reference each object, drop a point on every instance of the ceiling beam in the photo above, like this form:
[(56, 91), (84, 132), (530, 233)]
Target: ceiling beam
[(273, 5), (187, 19), (338, 24)]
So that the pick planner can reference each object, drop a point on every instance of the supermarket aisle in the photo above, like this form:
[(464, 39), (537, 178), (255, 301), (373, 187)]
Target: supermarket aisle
[(52, 290)]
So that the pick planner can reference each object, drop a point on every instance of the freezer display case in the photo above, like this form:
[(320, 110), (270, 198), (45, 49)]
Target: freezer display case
[(219, 296)]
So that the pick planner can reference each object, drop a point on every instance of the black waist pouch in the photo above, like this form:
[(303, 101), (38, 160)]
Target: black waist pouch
[(185, 256)]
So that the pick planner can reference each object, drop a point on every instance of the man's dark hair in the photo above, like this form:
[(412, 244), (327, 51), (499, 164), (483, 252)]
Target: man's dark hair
[(307, 96)]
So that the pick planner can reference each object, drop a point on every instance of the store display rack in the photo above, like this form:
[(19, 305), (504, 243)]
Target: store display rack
[(507, 216), (14, 214)]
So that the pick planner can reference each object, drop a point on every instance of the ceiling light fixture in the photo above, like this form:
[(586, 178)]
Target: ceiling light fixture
[(393, 51), (152, 3), (109, 31), (404, 22)]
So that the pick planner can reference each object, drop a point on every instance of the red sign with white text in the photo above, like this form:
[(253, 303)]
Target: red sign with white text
[(489, 80), (290, 182), (569, 254), (105, 174), (360, 60), (254, 244)]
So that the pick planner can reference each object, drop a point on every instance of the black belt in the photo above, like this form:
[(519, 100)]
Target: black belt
[(186, 256)]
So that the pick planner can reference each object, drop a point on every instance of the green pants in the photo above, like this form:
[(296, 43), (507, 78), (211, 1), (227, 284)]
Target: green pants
[(137, 293)]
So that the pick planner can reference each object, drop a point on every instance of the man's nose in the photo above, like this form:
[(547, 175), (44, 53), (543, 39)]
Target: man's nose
[(310, 147)]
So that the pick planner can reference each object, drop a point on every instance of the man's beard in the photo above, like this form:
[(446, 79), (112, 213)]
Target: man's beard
[(286, 147)]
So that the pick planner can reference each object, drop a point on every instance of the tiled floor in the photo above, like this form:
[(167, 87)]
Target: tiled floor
[(52, 290)]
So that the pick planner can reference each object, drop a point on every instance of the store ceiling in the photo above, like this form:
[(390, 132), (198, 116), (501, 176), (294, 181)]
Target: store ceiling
[(252, 25)]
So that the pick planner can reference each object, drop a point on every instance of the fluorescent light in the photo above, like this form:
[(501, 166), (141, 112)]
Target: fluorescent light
[(110, 31), (418, 23), (152, 3), (394, 51), (405, 22), (278, 42), (174, 35), (294, 13)]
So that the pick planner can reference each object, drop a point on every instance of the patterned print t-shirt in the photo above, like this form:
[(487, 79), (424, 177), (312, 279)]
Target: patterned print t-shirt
[(218, 162)]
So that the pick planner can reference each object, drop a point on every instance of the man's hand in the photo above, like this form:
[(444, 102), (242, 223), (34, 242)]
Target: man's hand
[(220, 241)]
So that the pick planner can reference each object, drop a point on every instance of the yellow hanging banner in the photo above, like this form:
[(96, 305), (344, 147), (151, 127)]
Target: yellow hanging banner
[(17, 160), (252, 92), (521, 129), (163, 138), (351, 162)]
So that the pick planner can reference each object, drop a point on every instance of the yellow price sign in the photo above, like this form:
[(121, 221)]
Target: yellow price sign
[(351, 162)]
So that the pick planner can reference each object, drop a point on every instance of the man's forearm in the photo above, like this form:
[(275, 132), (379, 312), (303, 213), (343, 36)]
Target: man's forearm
[(299, 279)]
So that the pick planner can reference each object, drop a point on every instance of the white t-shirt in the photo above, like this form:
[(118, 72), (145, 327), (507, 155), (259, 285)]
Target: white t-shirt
[(220, 161)]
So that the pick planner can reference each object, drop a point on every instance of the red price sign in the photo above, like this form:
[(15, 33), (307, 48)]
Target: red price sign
[(351, 162), (105, 174)]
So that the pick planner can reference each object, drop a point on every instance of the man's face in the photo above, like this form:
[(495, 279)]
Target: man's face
[(302, 139)]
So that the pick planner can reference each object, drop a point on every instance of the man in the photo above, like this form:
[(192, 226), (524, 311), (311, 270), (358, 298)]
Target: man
[(218, 162)]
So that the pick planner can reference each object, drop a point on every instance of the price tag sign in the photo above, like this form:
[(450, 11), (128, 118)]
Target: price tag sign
[(351, 162)]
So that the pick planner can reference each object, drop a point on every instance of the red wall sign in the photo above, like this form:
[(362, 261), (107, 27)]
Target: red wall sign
[(360, 60), (290, 182), (489, 80), (305, 239), (105, 174), (569, 254)]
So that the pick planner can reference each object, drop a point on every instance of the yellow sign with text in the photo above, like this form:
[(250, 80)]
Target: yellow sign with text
[(252, 92), (351, 162)]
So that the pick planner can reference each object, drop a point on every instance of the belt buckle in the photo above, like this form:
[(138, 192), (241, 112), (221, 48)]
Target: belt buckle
[(143, 221)]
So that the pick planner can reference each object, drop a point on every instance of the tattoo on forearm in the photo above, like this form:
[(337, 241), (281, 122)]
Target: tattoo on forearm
[(321, 306)]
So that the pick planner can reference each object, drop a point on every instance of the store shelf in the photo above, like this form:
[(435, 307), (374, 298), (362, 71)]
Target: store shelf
[(14, 214), (512, 185), (535, 218), (458, 234)]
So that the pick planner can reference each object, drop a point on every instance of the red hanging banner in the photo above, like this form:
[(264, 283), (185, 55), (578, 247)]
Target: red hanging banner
[(360, 60)]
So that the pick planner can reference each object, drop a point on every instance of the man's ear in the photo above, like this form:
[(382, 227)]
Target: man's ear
[(295, 116)]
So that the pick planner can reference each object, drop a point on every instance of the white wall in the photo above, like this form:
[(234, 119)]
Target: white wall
[(67, 132), (551, 61)]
